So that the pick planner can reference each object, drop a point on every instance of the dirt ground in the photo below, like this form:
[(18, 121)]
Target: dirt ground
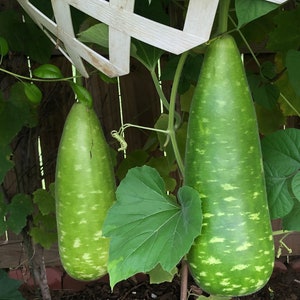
[(283, 285)]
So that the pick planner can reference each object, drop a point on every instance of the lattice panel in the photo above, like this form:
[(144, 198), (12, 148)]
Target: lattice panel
[(123, 24)]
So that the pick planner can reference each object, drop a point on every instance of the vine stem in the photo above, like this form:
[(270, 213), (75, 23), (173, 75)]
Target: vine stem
[(171, 127), (223, 16), (245, 41), (20, 77), (162, 95)]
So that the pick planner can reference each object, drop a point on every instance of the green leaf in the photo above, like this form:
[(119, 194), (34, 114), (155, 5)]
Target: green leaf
[(18, 210), (286, 33), (96, 34), (269, 120), (281, 158), (48, 71), (147, 227), (3, 46), (5, 161), (296, 185), (292, 220), (9, 287), (249, 10), (44, 200), (44, 230), (82, 94), (33, 93), (164, 142), (164, 167), (154, 10), (148, 55), (263, 92), (133, 159), (190, 72), (25, 37), (186, 99), (292, 103), (158, 275), (15, 113), (292, 63)]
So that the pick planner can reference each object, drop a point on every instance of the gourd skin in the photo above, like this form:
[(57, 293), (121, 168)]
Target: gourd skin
[(234, 254), (84, 191)]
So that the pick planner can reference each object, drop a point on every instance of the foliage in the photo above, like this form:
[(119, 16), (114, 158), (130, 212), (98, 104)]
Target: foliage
[(149, 226), (9, 287), (281, 164)]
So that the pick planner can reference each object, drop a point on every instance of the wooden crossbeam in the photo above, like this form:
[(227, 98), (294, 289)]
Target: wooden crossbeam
[(123, 24)]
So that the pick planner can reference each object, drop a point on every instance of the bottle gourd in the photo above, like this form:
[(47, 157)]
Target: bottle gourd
[(84, 191), (234, 253)]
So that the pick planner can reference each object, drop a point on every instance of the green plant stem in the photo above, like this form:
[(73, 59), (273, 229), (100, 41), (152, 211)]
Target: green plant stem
[(127, 125), (245, 41), (290, 104), (162, 95), (223, 16), (20, 77), (171, 127)]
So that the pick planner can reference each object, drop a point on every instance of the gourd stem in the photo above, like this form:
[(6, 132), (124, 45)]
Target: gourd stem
[(223, 16)]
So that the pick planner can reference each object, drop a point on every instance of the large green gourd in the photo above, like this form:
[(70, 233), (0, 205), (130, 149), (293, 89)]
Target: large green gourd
[(234, 254), (84, 191)]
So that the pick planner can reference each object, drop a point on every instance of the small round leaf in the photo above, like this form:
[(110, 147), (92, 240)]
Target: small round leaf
[(3, 46), (82, 94), (47, 71), (33, 93)]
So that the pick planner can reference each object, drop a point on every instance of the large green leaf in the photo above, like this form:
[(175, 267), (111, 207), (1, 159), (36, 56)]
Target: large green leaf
[(153, 10), (18, 210), (286, 33), (15, 113), (292, 63), (264, 93), (147, 227), (96, 34), (5, 162), (148, 55), (44, 230), (190, 71), (25, 37), (292, 220), (249, 10), (269, 120), (296, 185), (44, 200), (9, 287), (289, 100), (281, 155)]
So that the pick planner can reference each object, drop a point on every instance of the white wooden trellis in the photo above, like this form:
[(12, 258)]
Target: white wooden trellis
[(123, 24)]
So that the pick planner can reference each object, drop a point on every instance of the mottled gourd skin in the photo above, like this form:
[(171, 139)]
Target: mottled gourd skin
[(234, 254), (84, 191)]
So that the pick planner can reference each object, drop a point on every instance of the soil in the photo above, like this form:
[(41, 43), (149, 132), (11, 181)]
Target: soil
[(284, 284)]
